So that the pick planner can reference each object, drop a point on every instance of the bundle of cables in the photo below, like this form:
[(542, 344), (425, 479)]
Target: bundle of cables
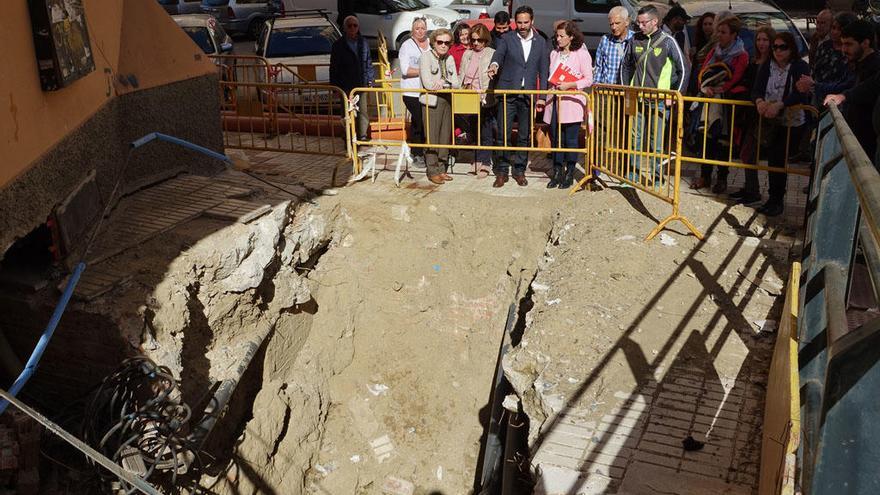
[(137, 419)]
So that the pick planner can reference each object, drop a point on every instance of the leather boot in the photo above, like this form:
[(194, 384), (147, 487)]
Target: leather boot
[(555, 176), (568, 179)]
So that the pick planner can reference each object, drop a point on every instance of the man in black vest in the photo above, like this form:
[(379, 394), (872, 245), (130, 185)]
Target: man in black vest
[(351, 67), (521, 61)]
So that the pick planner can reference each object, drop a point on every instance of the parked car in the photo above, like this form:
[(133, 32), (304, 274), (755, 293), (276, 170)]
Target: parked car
[(393, 17), (753, 14), (472, 9), (299, 39), (175, 7), (206, 32), (243, 16)]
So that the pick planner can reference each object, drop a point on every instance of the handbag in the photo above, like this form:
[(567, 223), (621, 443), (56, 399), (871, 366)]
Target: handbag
[(428, 99)]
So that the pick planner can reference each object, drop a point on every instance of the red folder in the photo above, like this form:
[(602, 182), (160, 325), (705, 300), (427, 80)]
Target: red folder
[(562, 74)]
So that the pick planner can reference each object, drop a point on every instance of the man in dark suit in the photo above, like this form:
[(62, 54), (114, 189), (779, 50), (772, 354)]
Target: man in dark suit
[(521, 61), (351, 67)]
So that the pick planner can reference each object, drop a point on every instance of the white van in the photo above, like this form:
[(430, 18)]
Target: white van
[(393, 17)]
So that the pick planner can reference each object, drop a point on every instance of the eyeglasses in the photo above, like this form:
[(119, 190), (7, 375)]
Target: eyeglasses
[(780, 47), (443, 42)]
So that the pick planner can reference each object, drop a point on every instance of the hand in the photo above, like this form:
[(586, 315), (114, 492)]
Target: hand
[(805, 84), (836, 99), (773, 110), (762, 107), (567, 86), (493, 70)]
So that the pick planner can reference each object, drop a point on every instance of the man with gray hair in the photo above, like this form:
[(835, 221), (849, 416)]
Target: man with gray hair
[(609, 54)]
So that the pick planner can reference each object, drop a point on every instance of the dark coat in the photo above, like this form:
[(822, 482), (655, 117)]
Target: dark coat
[(514, 71), (790, 96), (860, 99), (348, 69)]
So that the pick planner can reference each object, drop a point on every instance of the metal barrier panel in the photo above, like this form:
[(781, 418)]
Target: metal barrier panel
[(463, 103), (299, 118), (838, 358), (714, 126), (637, 141), (243, 68)]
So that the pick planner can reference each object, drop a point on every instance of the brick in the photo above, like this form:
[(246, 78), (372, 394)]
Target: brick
[(563, 450), (704, 469), (660, 448), (656, 459)]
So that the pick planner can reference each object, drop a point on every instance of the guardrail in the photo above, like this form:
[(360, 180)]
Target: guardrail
[(464, 102), (299, 118), (638, 142), (838, 338), (732, 119)]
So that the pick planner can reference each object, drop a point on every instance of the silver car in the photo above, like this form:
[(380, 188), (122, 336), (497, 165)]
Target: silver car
[(175, 7), (243, 16)]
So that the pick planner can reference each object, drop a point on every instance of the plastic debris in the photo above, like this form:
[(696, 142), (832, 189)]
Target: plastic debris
[(397, 486), (766, 325), (667, 240), (554, 301), (355, 459), (511, 403), (378, 389)]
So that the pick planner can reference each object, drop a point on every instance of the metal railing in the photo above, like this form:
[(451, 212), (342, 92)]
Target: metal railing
[(637, 140), (738, 118), (839, 334), (464, 102), (299, 118)]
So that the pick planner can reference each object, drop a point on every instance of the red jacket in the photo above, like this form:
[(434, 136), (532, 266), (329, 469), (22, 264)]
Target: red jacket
[(737, 67), (457, 51)]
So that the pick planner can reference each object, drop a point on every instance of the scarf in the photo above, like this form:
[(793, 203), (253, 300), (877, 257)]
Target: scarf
[(727, 55)]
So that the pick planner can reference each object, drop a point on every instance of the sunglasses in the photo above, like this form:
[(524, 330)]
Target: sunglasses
[(478, 40), (780, 47), (443, 42)]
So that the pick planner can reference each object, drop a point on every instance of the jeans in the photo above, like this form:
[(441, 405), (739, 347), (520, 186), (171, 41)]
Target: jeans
[(416, 125), (488, 131), (567, 138), (651, 120), (519, 108)]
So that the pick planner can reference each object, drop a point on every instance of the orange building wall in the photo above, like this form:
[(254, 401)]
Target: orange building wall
[(128, 37)]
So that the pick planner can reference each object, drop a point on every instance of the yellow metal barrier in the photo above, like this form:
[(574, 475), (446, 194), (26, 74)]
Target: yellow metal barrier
[(781, 427), (299, 118), (638, 142), (465, 102), (732, 115)]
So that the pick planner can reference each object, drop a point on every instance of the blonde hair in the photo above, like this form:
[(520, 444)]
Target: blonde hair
[(439, 32)]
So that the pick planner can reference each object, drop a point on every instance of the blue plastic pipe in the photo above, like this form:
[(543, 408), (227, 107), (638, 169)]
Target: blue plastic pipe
[(40, 348), (180, 142), (37, 353)]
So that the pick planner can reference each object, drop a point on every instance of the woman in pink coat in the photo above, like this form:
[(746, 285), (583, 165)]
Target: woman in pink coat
[(566, 113)]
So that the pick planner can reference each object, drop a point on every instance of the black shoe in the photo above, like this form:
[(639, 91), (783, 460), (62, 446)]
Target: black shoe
[(568, 180), (771, 208), (738, 194), (555, 177), (720, 187), (747, 199)]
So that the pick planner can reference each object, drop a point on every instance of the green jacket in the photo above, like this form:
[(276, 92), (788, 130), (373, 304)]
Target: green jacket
[(653, 62)]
